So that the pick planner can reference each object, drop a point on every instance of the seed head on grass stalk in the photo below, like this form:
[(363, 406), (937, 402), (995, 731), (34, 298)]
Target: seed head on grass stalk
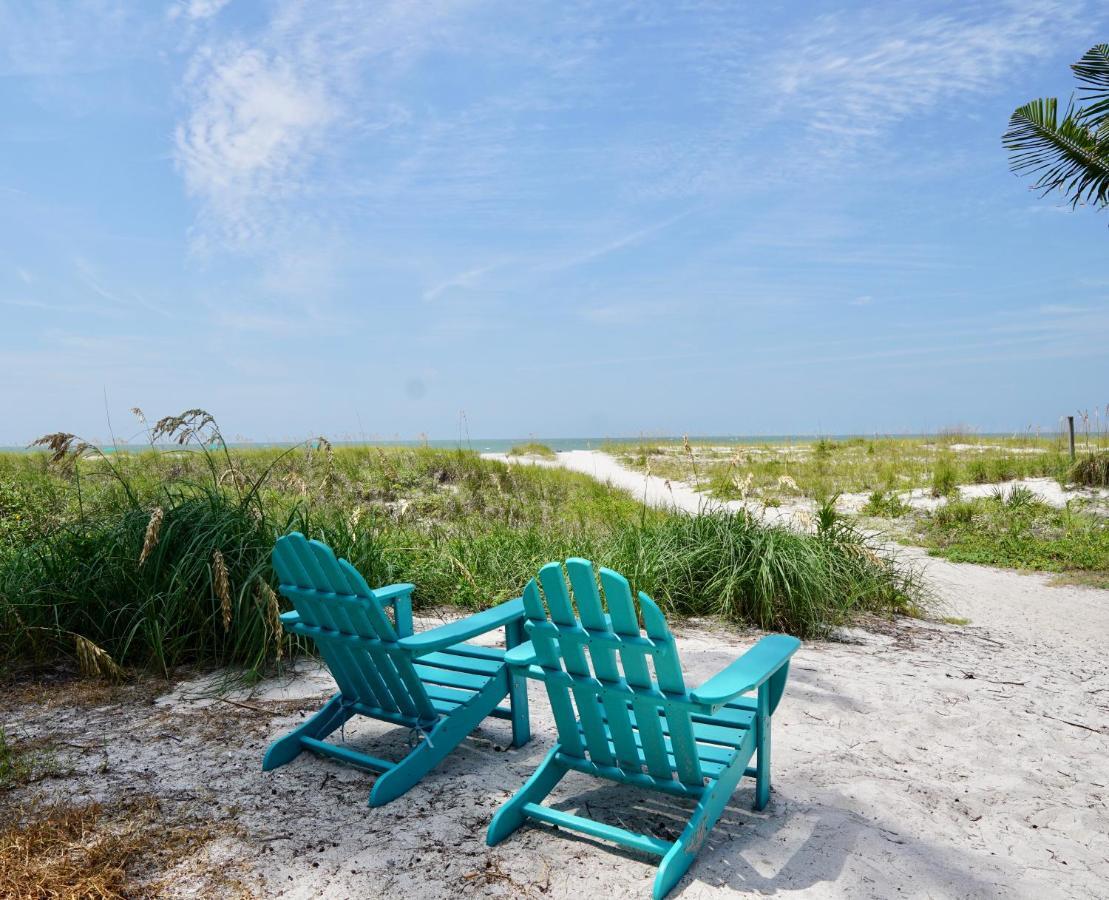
[(95, 662), (222, 584), (153, 530), (267, 599)]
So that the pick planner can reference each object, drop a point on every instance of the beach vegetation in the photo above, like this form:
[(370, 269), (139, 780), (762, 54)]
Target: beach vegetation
[(532, 448), (160, 558), (1019, 531)]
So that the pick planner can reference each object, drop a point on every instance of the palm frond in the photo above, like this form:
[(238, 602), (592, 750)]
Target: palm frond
[(1093, 72), (1068, 155)]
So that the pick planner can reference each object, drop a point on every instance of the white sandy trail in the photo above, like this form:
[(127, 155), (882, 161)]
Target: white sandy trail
[(655, 491), (649, 489)]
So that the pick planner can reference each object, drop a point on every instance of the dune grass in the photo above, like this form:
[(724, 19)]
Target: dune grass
[(822, 467), (1091, 470), (160, 559), (1021, 532)]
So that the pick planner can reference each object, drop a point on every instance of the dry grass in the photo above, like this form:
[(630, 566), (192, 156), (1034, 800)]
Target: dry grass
[(88, 852)]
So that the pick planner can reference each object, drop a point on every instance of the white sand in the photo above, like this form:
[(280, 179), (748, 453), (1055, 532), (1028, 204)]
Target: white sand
[(928, 761), (921, 759)]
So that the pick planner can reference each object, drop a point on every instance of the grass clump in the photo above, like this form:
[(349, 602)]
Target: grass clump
[(730, 565), (1020, 532), (532, 448), (885, 505), (1091, 470), (944, 479)]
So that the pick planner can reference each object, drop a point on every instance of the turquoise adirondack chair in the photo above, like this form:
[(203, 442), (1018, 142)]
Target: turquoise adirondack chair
[(432, 682), (634, 729)]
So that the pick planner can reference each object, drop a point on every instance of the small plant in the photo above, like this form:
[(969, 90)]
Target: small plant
[(827, 516), (1021, 496), (956, 513), (885, 505)]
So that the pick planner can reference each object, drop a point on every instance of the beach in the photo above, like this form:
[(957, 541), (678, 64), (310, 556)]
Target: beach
[(911, 757)]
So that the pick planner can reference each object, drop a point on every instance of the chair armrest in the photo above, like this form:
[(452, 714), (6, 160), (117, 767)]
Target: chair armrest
[(750, 671), (464, 629), (391, 592), (400, 595), (521, 655)]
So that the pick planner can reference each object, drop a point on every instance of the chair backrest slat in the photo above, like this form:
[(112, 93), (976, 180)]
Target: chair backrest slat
[(602, 651), (332, 595), (668, 670), (548, 656), (573, 657), (603, 698)]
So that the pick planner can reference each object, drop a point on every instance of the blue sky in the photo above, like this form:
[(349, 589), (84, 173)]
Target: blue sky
[(558, 218)]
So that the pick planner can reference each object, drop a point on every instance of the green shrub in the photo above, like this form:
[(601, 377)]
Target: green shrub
[(1020, 531), (532, 448)]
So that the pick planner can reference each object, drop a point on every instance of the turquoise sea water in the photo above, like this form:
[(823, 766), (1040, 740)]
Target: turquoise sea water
[(501, 445)]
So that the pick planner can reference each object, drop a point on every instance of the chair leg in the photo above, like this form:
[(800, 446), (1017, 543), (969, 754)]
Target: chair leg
[(510, 816), (518, 688), (709, 808), (443, 738), (762, 749), (289, 747)]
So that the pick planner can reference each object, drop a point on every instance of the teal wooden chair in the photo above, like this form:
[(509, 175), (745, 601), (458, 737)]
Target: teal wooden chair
[(635, 729), (433, 682)]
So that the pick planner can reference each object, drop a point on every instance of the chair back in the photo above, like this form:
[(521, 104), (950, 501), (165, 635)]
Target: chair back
[(609, 706), (351, 629)]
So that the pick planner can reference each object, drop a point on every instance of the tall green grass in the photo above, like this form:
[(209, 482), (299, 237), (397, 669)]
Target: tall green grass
[(125, 550), (1091, 470)]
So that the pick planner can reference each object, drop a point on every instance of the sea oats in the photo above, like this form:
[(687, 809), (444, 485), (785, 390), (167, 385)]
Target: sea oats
[(153, 530), (95, 661), (222, 584), (268, 599)]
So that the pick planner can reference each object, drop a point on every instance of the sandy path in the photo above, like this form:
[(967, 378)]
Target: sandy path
[(656, 491)]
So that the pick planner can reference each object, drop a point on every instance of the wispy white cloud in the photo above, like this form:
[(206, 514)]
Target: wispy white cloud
[(197, 9), (619, 243), (53, 38), (852, 75), (461, 280), (262, 112)]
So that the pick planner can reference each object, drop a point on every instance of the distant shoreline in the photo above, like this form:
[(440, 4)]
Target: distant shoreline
[(502, 445)]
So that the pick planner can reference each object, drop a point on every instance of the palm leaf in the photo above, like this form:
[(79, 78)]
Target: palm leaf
[(1067, 154), (1093, 72)]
